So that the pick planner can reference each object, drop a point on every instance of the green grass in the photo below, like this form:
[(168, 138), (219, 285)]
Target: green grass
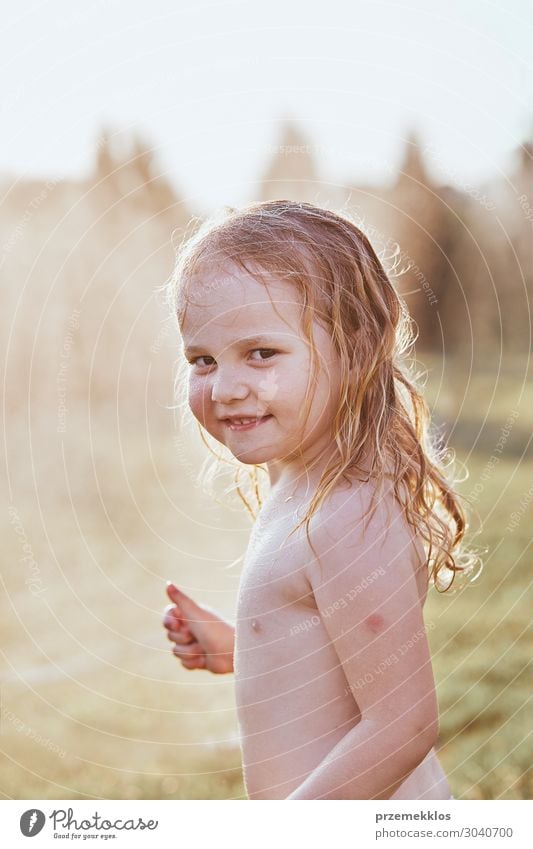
[(482, 645)]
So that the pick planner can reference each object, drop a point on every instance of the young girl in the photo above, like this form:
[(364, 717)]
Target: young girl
[(295, 340)]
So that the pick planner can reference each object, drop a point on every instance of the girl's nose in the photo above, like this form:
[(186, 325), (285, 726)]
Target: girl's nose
[(227, 387)]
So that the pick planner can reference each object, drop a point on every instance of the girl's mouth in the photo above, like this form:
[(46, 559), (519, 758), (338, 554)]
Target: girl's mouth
[(245, 424)]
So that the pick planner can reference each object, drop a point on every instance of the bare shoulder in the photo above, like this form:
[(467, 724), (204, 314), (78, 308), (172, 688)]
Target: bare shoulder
[(357, 508), (358, 526)]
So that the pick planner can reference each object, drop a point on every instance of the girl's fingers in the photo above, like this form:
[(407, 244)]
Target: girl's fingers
[(173, 623), (185, 648), (171, 614), (195, 662), (173, 593), (172, 610), (187, 651), (183, 637)]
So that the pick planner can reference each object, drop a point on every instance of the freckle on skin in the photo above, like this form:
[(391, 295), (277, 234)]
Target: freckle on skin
[(375, 622)]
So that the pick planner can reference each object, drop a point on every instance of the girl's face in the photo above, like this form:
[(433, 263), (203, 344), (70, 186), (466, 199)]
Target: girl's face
[(249, 360)]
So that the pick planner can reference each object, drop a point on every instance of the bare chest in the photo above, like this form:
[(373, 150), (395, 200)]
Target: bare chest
[(273, 581)]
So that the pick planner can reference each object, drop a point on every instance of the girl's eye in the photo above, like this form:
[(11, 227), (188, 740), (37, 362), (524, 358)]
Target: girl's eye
[(268, 351), (265, 354), (197, 362)]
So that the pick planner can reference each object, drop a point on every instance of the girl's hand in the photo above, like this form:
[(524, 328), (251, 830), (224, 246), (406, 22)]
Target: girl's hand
[(203, 640)]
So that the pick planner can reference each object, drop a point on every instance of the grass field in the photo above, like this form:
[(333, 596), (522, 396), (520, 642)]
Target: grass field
[(482, 646), (92, 702)]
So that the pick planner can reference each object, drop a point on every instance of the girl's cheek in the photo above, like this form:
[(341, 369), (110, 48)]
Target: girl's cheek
[(198, 398)]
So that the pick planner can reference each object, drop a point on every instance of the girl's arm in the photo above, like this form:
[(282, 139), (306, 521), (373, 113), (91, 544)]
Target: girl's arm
[(366, 592)]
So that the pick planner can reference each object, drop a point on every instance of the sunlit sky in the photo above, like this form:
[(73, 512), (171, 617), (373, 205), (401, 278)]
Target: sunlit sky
[(207, 83)]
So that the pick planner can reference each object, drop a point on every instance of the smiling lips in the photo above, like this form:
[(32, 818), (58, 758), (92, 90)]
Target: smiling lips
[(244, 422)]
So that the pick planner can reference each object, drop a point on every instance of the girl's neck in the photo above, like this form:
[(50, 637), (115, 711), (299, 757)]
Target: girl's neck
[(301, 480), (299, 477)]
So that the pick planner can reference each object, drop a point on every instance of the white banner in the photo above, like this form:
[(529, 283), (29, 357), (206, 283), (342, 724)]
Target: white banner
[(193, 824)]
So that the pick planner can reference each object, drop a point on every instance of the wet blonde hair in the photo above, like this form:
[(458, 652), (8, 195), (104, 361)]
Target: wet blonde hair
[(381, 414)]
